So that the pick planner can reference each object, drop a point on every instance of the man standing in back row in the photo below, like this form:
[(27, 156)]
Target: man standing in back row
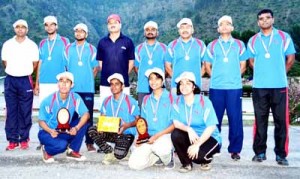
[(225, 61), (80, 59), (148, 55), (185, 54), (272, 54), (51, 60), (20, 56), (115, 53)]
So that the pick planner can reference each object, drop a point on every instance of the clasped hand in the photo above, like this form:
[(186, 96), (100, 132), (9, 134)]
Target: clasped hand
[(193, 136), (193, 151)]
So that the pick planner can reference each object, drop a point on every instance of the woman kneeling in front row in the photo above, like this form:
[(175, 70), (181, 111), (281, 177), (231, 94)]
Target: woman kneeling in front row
[(195, 138)]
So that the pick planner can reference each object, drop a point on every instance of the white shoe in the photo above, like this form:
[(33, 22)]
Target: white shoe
[(109, 159), (205, 167), (46, 157)]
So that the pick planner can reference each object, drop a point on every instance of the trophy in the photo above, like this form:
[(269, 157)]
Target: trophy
[(142, 128), (63, 118)]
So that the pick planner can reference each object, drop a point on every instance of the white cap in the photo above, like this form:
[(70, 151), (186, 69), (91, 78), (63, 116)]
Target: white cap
[(151, 24), (184, 21), (20, 22), (155, 70), (50, 19), (186, 75), (116, 76), (81, 26), (225, 18), (65, 74)]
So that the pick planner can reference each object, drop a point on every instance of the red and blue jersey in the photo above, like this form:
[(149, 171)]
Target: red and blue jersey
[(177, 57), (270, 72), (226, 73), (203, 114), (82, 69), (142, 61), (125, 108), (54, 65), (157, 112), (53, 103)]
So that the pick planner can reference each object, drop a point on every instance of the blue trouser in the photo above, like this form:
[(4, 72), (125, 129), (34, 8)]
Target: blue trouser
[(18, 95), (88, 99), (59, 144), (231, 100)]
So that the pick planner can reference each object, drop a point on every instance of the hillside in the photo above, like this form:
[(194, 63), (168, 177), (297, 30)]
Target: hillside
[(135, 13)]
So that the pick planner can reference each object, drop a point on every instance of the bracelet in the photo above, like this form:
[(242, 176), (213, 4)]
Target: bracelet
[(77, 129)]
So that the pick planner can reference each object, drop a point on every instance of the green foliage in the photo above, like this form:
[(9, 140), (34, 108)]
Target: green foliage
[(247, 90), (294, 99), (295, 70), (295, 34)]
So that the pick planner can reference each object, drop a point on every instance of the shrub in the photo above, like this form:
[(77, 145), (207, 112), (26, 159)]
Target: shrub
[(294, 99)]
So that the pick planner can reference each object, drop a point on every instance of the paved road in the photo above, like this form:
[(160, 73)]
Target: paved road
[(28, 164)]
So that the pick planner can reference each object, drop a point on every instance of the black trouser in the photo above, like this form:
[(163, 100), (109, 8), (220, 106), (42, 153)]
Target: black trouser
[(263, 101), (122, 142), (181, 144), (88, 99)]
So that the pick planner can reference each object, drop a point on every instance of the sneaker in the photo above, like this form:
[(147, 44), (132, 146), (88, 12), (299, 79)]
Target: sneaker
[(127, 156), (90, 148), (158, 163), (46, 157), (259, 157), (24, 145), (235, 156), (75, 155), (217, 154), (205, 167), (281, 161), (12, 146), (125, 160), (109, 159), (171, 164), (185, 169)]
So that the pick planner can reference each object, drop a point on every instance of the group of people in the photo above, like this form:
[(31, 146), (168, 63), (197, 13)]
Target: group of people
[(181, 121)]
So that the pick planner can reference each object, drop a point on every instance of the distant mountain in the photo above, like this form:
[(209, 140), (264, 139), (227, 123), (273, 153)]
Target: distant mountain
[(135, 13)]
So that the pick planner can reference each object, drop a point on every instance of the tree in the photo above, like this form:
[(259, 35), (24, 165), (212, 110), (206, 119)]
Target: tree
[(295, 70), (295, 34)]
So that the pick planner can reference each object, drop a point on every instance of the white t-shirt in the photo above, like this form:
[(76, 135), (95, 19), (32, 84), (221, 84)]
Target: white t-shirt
[(19, 57)]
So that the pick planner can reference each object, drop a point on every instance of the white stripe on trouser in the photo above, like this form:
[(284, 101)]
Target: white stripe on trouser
[(105, 92), (146, 155), (210, 159)]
